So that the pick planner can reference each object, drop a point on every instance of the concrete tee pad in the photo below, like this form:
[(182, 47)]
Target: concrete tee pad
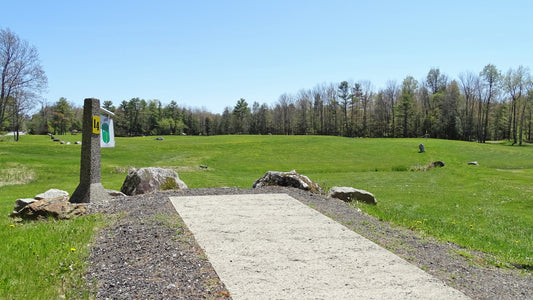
[(271, 246)]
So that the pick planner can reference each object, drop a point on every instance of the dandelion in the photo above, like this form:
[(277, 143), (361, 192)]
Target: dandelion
[(419, 222), (479, 208), (11, 225), (453, 223), (425, 220), (516, 242), (72, 249)]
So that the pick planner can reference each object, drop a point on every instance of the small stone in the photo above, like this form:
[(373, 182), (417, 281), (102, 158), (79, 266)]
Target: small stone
[(21, 203), (349, 194), (473, 163), (52, 195), (437, 164), (114, 193)]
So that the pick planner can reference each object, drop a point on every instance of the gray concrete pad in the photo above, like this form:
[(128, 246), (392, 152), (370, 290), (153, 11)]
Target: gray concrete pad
[(271, 246)]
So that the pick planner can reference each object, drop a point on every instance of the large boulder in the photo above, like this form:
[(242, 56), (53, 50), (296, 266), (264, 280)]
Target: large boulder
[(50, 204), (146, 180), (288, 179), (349, 194)]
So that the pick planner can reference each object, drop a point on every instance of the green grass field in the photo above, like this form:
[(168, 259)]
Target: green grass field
[(487, 207)]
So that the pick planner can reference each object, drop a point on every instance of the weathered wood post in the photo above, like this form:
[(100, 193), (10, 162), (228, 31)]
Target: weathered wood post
[(90, 188)]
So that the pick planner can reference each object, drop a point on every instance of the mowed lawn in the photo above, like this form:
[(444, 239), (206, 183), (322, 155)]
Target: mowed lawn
[(487, 207)]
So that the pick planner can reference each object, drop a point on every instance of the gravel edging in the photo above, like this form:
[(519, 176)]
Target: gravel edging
[(148, 252)]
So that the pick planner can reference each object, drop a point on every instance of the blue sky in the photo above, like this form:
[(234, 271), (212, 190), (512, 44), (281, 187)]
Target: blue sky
[(209, 54)]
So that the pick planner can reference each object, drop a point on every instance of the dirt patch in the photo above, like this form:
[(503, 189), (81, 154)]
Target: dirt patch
[(18, 175)]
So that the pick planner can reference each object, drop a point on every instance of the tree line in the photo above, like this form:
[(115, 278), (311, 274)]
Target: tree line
[(476, 106), (489, 105)]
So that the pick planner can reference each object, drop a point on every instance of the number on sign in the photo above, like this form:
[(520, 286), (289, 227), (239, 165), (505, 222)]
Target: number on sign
[(96, 124)]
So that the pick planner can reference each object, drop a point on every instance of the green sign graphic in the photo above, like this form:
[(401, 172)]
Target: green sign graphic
[(105, 133)]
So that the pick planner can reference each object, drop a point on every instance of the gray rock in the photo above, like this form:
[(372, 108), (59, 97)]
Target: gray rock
[(421, 148), (473, 163), (288, 179), (436, 164), (21, 203), (349, 194), (53, 194), (146, 180), (159, 138), (114, 193)]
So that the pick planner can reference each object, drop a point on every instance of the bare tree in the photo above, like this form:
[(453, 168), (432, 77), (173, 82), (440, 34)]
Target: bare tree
[(391, 94), (366, 99), (22, 78), (468, 81), (515, 83), (492, 78)]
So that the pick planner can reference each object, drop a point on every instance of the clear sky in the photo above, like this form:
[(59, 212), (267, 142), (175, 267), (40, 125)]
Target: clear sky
[(209, 54)]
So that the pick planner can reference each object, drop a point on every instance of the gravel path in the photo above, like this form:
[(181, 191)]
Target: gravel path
[(148, 253)]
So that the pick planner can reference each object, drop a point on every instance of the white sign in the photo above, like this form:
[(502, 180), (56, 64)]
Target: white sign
[(107, 133)]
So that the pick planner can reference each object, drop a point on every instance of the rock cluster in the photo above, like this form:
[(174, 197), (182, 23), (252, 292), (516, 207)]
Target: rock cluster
[(146, 180), (50, 204), (288, 179)]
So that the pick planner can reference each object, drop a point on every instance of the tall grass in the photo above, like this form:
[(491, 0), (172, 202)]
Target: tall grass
[(486, 207)]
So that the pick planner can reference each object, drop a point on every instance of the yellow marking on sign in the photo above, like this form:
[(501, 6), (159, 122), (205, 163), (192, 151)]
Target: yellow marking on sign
[(96, 124)]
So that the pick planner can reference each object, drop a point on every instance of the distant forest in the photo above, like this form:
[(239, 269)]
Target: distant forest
[(489, 105)]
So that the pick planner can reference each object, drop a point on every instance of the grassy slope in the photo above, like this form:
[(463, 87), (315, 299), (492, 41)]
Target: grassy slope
[(486, 207)]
